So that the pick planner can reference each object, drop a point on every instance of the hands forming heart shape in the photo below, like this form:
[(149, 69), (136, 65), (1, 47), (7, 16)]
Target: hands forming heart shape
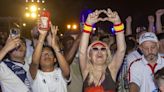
[(112, 16)]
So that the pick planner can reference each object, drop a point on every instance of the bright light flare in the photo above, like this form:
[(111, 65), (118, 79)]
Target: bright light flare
[(38, 15), (74, 26), (33, 8), (61, 34), (43, 1), (24, 24), (26, 8), (33, 15), (39, 9), (38, 1), (27, 14), (68, 26), (94, 29)]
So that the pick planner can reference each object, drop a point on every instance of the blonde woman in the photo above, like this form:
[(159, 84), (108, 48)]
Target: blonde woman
[(99, 69)]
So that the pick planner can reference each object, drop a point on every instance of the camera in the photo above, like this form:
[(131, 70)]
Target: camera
[(14, 32)]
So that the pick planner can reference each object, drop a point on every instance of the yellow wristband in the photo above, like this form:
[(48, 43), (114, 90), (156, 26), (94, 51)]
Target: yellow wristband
[(118, 28), (87, 28)]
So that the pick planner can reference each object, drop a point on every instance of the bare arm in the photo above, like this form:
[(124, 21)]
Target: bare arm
[(119, 55), (11, 43), (62, 63), (3, 53), (151, 23), (128, 25), (64, 66), (159, 13), (121, 46), (133, 87), (69, 55), (37, 54), (91, 19), (83, 53)]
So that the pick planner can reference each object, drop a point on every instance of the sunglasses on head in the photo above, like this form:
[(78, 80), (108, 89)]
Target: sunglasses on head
[(100, 49)]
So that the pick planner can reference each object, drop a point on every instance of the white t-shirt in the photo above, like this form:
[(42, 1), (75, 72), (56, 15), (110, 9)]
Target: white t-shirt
[(132, 57), (10, 82), (141, 74), (29, 51), (49, 81)]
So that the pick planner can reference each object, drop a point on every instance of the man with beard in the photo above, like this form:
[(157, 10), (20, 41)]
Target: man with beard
[(141, 71)]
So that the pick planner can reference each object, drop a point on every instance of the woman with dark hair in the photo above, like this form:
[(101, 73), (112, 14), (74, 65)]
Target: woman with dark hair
[(46, 76)]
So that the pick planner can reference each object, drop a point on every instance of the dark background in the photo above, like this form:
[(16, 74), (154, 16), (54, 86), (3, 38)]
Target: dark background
[(68, 11)]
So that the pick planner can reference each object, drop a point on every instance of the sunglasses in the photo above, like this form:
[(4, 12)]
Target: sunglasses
[(99, 49)]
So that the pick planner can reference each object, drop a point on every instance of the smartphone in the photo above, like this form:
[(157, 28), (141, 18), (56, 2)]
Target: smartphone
[(14, 32)]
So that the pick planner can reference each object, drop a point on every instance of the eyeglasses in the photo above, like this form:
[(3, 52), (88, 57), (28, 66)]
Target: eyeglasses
[(99, 49)]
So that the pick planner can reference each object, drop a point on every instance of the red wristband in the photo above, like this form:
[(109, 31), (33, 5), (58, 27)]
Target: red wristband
[(118, 24), (119, 31), (87, 28), (86, 31), (87, 24)]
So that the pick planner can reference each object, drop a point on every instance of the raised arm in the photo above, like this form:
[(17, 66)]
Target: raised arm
[(128, 26), (37, 54), (70, 54), (151, 23), (91, 19), (60, 57), (120, 40), (11, 43), (159, 13)]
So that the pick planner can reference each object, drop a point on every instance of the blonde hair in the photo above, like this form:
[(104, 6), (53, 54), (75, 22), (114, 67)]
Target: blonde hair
[(90, 65)]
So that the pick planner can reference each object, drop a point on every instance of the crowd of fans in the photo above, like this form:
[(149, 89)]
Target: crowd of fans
[(125, 61)]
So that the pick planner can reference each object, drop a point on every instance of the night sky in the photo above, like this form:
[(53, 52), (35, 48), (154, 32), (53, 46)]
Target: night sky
[(68, 11)]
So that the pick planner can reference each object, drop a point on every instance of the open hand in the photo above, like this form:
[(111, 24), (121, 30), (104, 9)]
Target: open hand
[(94, 17), (12, 43), (112, 16), (159, 12)]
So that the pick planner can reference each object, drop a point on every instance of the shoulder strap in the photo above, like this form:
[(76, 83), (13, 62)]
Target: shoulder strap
[(19, 71)]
